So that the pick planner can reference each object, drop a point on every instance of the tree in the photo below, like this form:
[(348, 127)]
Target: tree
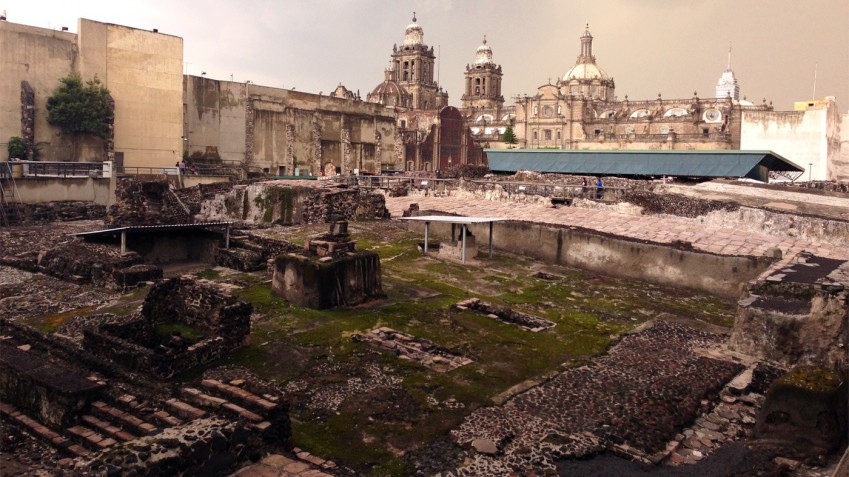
[(17, 149), (81, 109), (509, 136)]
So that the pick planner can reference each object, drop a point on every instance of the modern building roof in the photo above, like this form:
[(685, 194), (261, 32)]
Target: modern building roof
[(750, 164), (154, 228)]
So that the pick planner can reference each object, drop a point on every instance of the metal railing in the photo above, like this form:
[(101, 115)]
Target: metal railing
[(56, 169), (553, 191)]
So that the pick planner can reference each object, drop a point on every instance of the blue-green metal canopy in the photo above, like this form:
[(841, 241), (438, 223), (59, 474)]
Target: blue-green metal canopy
[(751, 164)]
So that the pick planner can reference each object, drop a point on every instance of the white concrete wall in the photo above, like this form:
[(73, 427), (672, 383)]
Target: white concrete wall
[(38, 190), (811, 139)]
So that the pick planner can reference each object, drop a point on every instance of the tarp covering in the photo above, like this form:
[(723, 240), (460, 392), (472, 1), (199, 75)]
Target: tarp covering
[(751, 164)]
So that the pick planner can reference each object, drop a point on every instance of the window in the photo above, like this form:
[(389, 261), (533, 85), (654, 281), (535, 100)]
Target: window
[(536, 136), (547, 134), (597, 132), (403, 123), (558, 134), (536, 110), (574, 91), (705, 131)]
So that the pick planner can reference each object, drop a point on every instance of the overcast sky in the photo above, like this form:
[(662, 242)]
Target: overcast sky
[(672, 47)]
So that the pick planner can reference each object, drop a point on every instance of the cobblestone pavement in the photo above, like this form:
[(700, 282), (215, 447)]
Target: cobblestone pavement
[(632, 401), (665, 229)]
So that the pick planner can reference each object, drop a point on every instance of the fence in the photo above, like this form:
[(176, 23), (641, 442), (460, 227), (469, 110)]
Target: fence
[(553, 191)]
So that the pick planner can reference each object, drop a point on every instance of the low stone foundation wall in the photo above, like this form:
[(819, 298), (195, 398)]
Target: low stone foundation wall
[(64, 211), (209, 447), (720, 275), (55, 395), (135, 344)]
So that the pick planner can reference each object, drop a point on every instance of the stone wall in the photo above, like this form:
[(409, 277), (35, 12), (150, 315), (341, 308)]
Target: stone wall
[(146, 203), (796, 315), (55, 394), (20, 214), (294, 202), (208, 447), (319, 283), (201, 305), (223, 319)]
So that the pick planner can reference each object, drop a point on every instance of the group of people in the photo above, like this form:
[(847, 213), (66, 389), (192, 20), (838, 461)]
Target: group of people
[(599, 188), (184, 168)]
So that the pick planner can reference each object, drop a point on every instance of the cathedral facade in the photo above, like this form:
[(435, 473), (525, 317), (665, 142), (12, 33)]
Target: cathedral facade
[(581, 111), (578, 111)]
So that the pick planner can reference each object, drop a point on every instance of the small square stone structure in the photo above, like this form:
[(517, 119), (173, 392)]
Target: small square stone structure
[(327, 282)]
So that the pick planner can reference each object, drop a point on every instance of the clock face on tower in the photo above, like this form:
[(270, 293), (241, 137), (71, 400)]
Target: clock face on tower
[(548, 111), (713, 115)]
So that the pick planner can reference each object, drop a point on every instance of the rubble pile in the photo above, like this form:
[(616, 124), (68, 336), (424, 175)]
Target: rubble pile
[(673, 204), (505, 314), (146, 203), (419, 350)]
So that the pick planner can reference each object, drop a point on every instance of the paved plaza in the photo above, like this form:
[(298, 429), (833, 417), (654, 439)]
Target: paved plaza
[(653, 228)]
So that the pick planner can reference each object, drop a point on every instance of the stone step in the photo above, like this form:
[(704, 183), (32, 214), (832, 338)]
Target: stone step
[(38, 429), (166, 419), (221, 405), (185, 410), (90, 438), (123, 419), (241, 396), (108, 429)]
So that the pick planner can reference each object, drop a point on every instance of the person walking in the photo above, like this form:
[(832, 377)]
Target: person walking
[(599, 188), (584, 188)]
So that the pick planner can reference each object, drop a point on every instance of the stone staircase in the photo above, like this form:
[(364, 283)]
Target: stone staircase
[(234, 401)]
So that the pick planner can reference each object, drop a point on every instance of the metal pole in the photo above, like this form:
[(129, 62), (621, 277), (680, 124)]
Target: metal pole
[(490, 240), (227, 237), (463, 249), (427, 229), (123, 242)]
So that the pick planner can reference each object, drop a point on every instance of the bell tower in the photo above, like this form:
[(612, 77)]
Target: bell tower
[(483, 82)]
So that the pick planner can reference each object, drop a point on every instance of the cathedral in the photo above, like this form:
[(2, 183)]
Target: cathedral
[(579, 111)]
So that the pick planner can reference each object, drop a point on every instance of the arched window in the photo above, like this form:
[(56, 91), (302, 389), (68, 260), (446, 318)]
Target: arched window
[(558, 134), (536, 136)]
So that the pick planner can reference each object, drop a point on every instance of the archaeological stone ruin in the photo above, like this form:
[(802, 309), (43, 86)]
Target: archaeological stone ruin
[(292, 327)]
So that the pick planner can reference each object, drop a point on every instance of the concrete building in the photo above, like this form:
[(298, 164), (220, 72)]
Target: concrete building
[(814, 136), (142, 70), (277, 131)]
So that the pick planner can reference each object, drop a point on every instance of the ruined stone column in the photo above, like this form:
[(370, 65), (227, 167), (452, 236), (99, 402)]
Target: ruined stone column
[(28, 120)]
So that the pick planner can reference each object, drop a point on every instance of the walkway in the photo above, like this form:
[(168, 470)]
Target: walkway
[(659, 229)]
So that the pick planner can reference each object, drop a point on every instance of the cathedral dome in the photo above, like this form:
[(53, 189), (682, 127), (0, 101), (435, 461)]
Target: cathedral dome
[(390, 93), (585, 71), (414, 35), (484, 54)]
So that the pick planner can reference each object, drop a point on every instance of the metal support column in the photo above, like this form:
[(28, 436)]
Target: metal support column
[(227, 237), (490, 240), (427, 230), (123, 242), (463, 249)]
